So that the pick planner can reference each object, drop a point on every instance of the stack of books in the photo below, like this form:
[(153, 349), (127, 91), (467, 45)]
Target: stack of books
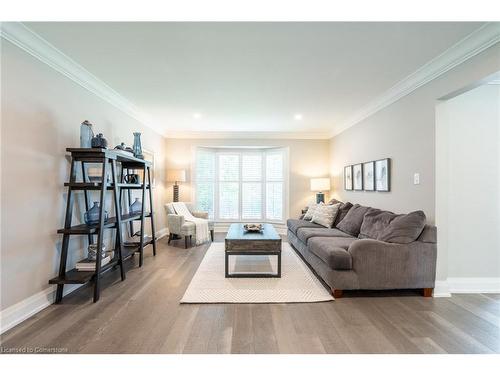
[(89, 265)]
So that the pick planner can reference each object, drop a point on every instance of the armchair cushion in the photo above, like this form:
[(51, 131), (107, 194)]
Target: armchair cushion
[(200, 214)]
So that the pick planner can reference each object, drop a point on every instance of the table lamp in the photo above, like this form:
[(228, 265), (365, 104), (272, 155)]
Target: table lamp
[(319, 185), (176, 176)]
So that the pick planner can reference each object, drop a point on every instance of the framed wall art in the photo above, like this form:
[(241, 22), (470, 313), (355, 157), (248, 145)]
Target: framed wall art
[(357, 177), (348, 177), (382, 174), (369, 176)]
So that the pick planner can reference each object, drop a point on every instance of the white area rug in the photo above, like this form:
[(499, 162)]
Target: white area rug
[(297, 282)]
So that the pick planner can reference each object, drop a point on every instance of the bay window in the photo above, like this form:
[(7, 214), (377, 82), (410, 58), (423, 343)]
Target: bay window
[(241, 184)]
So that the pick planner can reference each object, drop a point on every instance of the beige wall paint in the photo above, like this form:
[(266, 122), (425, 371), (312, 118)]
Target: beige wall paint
[(405, 132), (41, 113), (307, 159)]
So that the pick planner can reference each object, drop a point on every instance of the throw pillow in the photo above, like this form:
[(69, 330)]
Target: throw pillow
[(351, 223), (325, 215), (389, 227), (404, 228), (374, 223), (334, 201), (343, 210), (310, 211)]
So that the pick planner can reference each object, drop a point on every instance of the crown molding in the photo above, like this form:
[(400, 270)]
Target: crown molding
[(245, 135), (29, 41), (26, 39), (473, 44)]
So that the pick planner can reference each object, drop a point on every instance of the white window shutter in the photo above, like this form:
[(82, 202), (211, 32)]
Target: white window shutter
[(205, 181), (240, 185)]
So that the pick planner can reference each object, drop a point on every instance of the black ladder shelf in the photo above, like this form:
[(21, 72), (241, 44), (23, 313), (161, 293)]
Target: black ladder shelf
[(113, 159)]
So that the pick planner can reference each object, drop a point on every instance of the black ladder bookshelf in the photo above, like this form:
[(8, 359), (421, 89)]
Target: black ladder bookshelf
[(121, 163)]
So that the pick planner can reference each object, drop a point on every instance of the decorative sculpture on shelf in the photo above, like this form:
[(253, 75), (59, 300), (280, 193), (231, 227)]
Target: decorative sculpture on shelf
[(99, 141)]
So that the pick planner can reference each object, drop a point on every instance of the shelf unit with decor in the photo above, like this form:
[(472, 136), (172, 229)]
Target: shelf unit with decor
[(119, 163)]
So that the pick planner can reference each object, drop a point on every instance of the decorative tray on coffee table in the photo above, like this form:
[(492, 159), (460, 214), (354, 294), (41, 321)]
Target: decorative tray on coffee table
[(253, 227)]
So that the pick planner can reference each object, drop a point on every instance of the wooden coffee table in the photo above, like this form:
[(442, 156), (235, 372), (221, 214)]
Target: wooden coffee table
[(240, 242)]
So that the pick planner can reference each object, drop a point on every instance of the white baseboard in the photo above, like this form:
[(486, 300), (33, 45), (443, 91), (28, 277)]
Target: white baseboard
[(441, 289), (161, 233), (445, 288), (474, 284), (15, 314)]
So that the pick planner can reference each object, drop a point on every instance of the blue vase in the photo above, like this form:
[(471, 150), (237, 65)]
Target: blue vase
[(137, 146), (92, 216), (136, 207)]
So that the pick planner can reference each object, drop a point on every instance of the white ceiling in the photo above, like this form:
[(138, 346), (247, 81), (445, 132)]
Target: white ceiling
[(251, 77)]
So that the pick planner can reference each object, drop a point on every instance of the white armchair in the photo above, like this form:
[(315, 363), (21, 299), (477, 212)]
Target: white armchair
[(178, 226)]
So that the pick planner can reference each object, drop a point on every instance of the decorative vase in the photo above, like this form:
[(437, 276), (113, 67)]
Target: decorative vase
[(92, 216), (137, 146), (92, 252), (99, 141), (86, 134), (136, 207)]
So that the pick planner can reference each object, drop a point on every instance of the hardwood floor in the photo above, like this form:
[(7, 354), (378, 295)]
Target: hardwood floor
[(143, 315)]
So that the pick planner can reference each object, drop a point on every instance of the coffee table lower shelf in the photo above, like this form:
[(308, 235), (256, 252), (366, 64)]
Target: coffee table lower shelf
[(251, 274)]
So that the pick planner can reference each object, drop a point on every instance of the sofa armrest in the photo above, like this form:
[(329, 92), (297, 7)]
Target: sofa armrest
[(200, 214), (384, 265), (174, 223)]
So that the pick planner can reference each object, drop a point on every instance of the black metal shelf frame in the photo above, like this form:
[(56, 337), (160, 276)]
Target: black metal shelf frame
[(108, 159)]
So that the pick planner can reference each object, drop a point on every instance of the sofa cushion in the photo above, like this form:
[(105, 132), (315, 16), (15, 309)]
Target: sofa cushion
[(305, 233), (332, 251), (294, 224), (334, 201), (389, 227), (374, 222), (325, 215), (310, 211), (351, 223), (343, 210)]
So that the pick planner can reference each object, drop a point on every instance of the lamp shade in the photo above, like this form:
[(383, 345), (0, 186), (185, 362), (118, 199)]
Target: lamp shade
[(176, 175), (320, 184)]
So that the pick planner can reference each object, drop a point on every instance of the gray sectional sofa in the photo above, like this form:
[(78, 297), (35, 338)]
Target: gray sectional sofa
[(357, 258)]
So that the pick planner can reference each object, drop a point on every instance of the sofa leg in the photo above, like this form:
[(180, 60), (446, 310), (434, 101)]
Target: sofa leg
[(185, 242), (212, 235), (169, 238), (337, 293), (427, 292)]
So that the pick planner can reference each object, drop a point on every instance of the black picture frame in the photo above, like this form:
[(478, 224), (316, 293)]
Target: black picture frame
[(357, 177), (369, 178), (383, 175), (348, 177)]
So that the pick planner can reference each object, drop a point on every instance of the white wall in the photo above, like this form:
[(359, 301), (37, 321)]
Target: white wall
[(468, 184), (405, 132), (40, 117)]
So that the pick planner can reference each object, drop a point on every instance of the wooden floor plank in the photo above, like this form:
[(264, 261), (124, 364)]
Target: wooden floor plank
[(143, 315)]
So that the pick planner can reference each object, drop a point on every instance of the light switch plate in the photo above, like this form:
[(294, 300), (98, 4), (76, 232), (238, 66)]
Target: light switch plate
[(416, 178)]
